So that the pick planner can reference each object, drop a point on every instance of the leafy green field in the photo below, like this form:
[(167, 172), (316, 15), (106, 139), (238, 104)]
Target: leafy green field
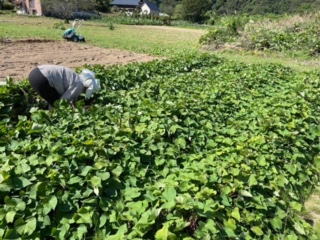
[(192, 147)]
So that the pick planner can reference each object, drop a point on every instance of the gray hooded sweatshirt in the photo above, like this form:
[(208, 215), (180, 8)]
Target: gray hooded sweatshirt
[(66, 81)]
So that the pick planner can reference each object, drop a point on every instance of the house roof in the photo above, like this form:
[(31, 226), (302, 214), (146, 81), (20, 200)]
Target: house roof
[(126, 2), (151, 5)]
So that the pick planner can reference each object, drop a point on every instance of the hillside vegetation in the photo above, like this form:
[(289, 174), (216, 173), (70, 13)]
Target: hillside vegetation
[(292, 35), (202, 11), (265, 6)]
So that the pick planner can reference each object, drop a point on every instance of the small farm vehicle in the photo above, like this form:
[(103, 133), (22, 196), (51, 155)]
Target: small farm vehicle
[(71, 33)]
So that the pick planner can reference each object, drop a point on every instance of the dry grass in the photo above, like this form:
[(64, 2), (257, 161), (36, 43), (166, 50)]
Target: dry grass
[(280, 25), (312, 207), (260, 29)]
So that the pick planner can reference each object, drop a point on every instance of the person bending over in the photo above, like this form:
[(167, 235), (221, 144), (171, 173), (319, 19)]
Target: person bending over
[(53, 82)]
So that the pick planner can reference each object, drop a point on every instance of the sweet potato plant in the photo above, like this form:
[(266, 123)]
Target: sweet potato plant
[(193, 147)]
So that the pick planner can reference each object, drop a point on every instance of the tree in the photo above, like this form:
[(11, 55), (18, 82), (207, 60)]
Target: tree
[(102, 5), (66, 8), (168, 6), (193, 10)]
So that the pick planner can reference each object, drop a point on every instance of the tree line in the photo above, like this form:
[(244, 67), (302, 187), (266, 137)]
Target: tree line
[(202, 10), (191, 10)]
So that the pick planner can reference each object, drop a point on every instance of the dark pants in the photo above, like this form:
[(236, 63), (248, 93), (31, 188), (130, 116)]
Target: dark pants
[(41, 85)]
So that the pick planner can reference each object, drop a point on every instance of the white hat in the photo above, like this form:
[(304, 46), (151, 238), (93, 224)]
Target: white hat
[(88, 80)]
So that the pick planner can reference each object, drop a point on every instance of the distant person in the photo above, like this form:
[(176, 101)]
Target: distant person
[(53, 82)]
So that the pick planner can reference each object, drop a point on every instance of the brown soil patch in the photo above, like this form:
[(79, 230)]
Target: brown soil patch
[(18, 58)]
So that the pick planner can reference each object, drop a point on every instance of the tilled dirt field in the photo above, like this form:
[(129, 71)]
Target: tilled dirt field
[(18, 58)]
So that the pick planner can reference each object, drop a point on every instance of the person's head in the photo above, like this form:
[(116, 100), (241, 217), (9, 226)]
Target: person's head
[(90, 83)]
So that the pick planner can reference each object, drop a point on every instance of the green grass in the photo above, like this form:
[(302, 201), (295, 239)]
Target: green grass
[(162, 41), (144, 39), (299, 63)]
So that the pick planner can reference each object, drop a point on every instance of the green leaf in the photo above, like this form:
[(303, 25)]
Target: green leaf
[(297, 206), (165, 234), (228, 141), (31, 226), (153, 147), (169, 194), (262, 160), (81, 230), (36, 126), (160, 161), (140, 128), (20, 182), (4, 176), (53, 202), (291, 168), (3, 214), (51, 159), (245, 193), (70, 150), (117, 171), (63, 230), (37, 189), (85, 216), (103, 220), (85, 170), (75, 180), (169, 205), (276, 223), (2, 231), (281, 180), (225, 200), (299, 228), (181, 142), (231, 223), (95, 181), (103, 175), (89, 142), (122, 229), (10, 216), (23, 227), (11, 234), (230, 233), (257, 230), (21, 206), (22, 168), (236, 214), (5, 187), (131, 193), (46, 221), (46, 209), (292, 237), (252, 180)]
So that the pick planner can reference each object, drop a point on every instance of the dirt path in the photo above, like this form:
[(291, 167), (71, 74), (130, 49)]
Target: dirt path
[(19, 57)]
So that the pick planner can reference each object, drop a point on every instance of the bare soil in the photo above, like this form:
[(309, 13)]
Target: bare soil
[(19, 57)]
